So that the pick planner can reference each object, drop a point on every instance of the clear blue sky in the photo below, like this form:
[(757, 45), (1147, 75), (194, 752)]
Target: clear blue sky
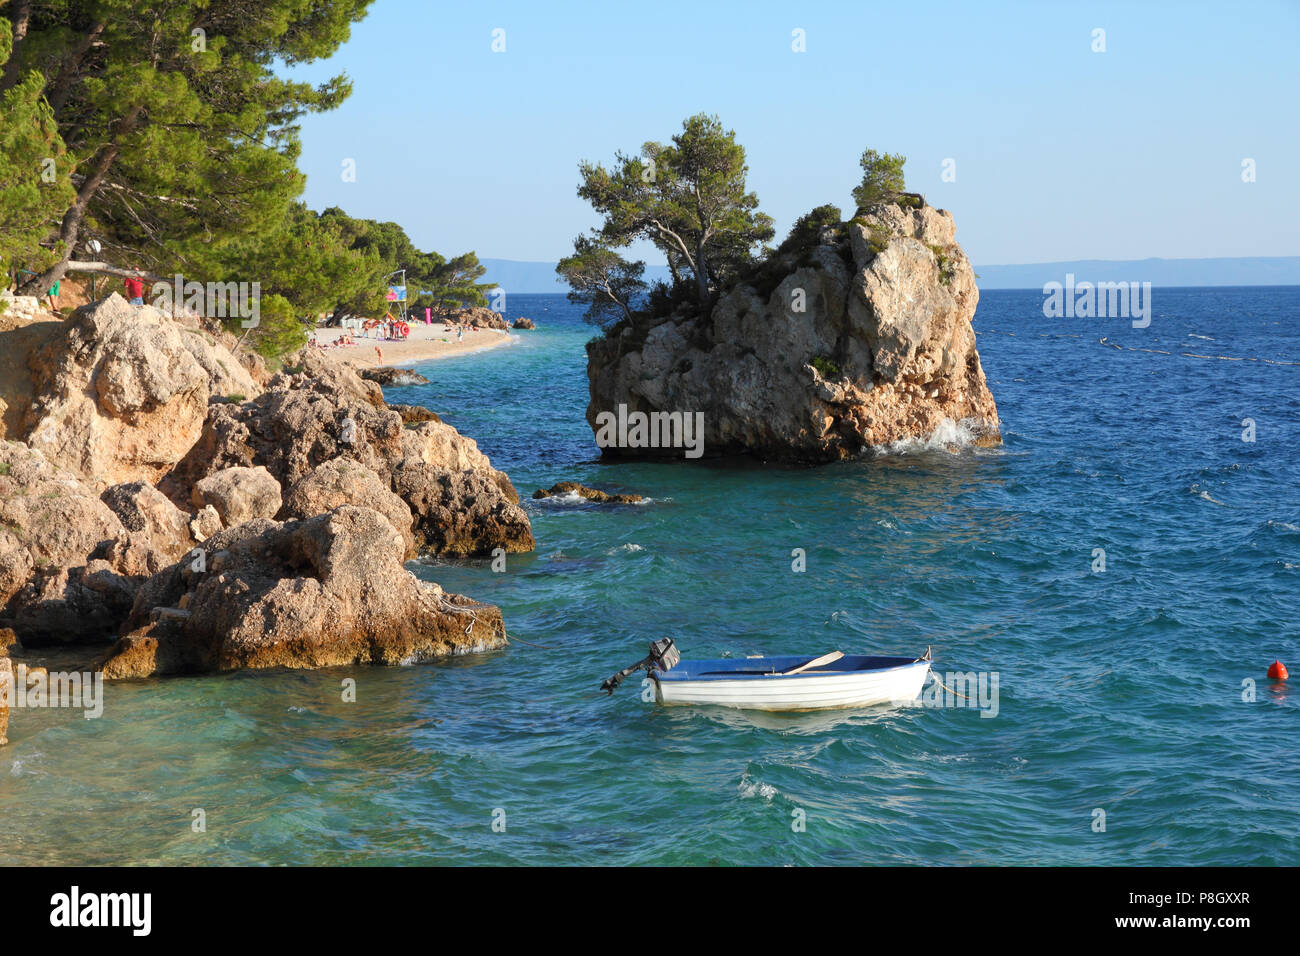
[(1060, 152)]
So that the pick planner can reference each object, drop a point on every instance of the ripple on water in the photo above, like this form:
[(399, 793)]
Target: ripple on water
[(1120, 690)]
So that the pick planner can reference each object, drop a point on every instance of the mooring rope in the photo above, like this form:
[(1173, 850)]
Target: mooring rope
[(520, 640), (445, 605), (946, 687)]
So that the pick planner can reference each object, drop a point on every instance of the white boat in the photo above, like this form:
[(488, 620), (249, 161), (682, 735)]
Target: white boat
[(783, 683)]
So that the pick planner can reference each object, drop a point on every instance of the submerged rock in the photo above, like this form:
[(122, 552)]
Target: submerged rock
[(329, 590), (861, 340), (591, 494)]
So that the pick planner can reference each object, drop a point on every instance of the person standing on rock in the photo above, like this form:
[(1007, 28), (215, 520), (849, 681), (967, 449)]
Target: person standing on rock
[(134, 289)]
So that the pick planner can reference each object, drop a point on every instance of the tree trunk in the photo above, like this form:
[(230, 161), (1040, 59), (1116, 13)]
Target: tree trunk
[(103, 268), (21, 17), (58, 94), (701, 275), (70, 229)]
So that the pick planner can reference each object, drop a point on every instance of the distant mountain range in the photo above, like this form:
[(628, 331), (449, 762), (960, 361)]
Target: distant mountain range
[(1279, 270), (515, 276)]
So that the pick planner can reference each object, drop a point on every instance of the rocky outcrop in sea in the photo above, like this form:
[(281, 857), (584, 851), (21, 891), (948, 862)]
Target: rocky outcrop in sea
[(568, 489), (480, 316), (862, 337), (387, 375)]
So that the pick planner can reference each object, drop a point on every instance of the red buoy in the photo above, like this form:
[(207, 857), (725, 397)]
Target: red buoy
[(1277, 671)]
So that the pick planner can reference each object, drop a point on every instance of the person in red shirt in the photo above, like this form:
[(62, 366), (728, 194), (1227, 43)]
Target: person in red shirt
[(135, 290)]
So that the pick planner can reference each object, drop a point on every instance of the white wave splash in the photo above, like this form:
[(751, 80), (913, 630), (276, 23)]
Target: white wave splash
[(948, 436), (1204, 495), (570, 498), (749, 788)]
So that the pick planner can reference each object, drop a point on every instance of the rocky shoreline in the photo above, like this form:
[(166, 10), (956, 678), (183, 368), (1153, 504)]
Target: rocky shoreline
[(168, 505)]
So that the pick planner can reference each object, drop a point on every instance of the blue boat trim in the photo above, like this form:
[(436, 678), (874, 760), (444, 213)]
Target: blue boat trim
[(760, 668)]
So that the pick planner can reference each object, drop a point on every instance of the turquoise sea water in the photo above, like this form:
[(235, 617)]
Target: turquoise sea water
[(1120, 691)]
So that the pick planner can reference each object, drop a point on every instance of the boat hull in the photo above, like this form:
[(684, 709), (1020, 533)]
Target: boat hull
[(813, 690)]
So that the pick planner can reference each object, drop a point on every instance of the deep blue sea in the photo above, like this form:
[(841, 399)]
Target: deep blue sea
[(1137, 692)]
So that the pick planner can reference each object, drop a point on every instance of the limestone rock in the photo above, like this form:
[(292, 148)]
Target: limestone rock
[(385, 375), (320, 411), (311, 412), (590, 494), (53, 515), (523, 323), (144, 510), (461, 512), (239, 494), (342, 481), (23, 307), (860, 341), (411, 414), (122, 393), (205, 523), (482, 317), (6, 692), (326, 591), (462, 504)]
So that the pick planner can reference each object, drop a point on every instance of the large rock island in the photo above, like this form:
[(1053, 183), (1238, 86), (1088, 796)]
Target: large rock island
[(858, 336)]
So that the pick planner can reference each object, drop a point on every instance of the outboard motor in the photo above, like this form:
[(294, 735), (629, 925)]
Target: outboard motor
[(663, 656)]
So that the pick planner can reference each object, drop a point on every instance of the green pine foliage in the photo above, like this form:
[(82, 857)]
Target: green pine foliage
[(689, 198), (609, 285), (181, 157), (34, 185), (882, 178)]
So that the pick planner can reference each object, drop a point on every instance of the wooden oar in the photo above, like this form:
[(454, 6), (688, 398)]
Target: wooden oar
[(830, 658)]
